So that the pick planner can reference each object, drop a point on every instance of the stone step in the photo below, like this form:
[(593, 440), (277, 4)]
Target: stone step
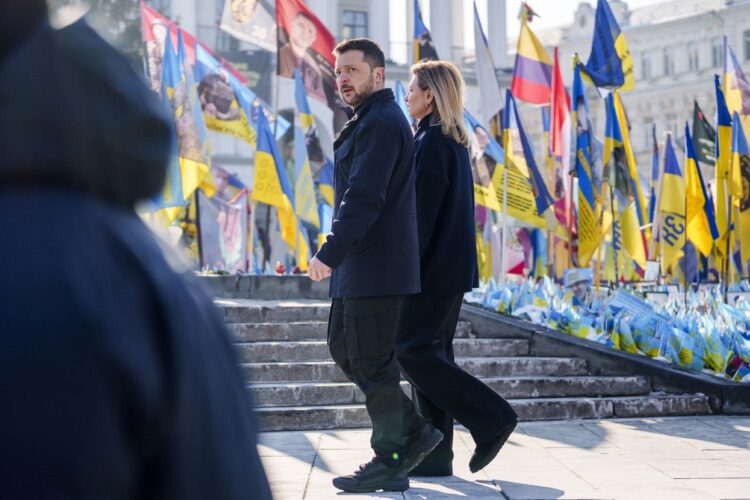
[(317, 350), (327, 371), (272, 311), (353, 416), (299, 330), (343, 393)]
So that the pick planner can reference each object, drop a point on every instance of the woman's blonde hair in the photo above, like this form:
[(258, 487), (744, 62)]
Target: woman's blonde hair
[(444, 79)]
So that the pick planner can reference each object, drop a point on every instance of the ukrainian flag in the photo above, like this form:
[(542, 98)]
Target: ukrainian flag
[(588, 238), (740, 168), (701, 223), (306, 206), (619, 156), (736, 87), (672, 208), (485, 195), (610, 64), (271, 186), (725, 186), (519, 154), (532, 71), (654, 175), (325, 182), (171, 78), (622, 119)]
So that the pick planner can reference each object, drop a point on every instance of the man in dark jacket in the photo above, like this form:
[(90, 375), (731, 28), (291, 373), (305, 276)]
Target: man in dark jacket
[(372, 256), (118, 379)]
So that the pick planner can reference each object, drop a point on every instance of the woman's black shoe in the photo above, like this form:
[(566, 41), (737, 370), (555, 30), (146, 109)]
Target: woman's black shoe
[(487, 451)]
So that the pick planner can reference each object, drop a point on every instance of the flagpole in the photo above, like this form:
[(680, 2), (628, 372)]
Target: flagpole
[(614, 246), (253, 206), (504, 225), (728, 248)]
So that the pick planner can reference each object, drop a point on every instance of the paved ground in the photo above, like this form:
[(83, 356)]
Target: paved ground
[(656, 458)]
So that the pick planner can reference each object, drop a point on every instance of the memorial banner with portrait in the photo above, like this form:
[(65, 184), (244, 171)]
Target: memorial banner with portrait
[(252, 21), (222, 233), (305, 44)]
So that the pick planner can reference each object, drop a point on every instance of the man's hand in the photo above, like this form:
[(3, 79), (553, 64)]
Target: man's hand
[(318, 271)]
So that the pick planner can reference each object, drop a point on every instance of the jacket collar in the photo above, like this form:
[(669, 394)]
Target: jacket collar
[(424, 123), (359, 112)]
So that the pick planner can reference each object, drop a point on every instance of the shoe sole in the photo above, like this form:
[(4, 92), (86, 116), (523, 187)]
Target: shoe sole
[(392, 485), (410, 464), (500, 442)]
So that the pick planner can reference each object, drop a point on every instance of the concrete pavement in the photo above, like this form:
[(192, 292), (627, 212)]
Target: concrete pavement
[(681, 458)]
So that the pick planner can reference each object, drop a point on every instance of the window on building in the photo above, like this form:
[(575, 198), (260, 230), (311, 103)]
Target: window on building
[(717, 52), (668, 61), (354, 24), (692, 52), (162, 6), (647, 144), (746, 44), (645, 64)]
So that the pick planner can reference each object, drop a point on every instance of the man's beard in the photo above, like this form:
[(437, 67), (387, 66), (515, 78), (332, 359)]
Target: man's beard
[(359, 97)]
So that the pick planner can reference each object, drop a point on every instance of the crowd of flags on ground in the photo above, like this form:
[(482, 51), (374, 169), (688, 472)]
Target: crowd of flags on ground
[(583, 205)]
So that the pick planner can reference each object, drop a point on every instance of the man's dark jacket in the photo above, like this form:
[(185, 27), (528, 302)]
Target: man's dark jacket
[(373, 247), (445, 208), (117, 378)]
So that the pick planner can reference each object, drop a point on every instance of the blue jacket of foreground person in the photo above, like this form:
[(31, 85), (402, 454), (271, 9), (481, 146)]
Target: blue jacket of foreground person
[(118, 379), (373, 247), (445, 205)]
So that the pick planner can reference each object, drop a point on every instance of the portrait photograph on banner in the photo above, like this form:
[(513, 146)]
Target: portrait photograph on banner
[(305, 44), (222, 233), (251, 21)]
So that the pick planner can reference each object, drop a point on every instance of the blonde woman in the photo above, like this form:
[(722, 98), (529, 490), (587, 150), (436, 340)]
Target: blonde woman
[(448, 267)]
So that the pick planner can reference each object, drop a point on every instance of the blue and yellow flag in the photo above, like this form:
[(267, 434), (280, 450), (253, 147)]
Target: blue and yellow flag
[(519, 154), (325, 181), (701, 223), (588, 236), (484, 191), (423, 46), (271, 186), (305, 203), (740, 169), (654, 175), (610, 64), (735, 85), (640, 203), (672, 208), (194, 165), (619, 157), (726, 185), (171, 79)]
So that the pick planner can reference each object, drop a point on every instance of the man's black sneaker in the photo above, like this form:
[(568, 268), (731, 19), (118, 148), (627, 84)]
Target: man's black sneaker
[(420, 445), (487, 451), (373, 476)]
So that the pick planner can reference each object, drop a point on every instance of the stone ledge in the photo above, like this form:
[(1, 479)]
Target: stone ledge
[(724, 396)]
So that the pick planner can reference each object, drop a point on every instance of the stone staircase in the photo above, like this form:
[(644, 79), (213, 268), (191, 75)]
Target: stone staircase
[(283, 353)]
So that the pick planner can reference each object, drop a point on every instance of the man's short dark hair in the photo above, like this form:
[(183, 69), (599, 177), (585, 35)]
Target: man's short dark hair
[(373, 54)]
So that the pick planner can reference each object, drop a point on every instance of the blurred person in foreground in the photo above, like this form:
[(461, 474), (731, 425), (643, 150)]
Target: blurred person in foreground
[(372, 258), (118, 378), (448, 268)]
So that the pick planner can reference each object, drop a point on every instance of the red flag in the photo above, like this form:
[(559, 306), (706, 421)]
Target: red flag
[(560, 136), (306, 45)]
